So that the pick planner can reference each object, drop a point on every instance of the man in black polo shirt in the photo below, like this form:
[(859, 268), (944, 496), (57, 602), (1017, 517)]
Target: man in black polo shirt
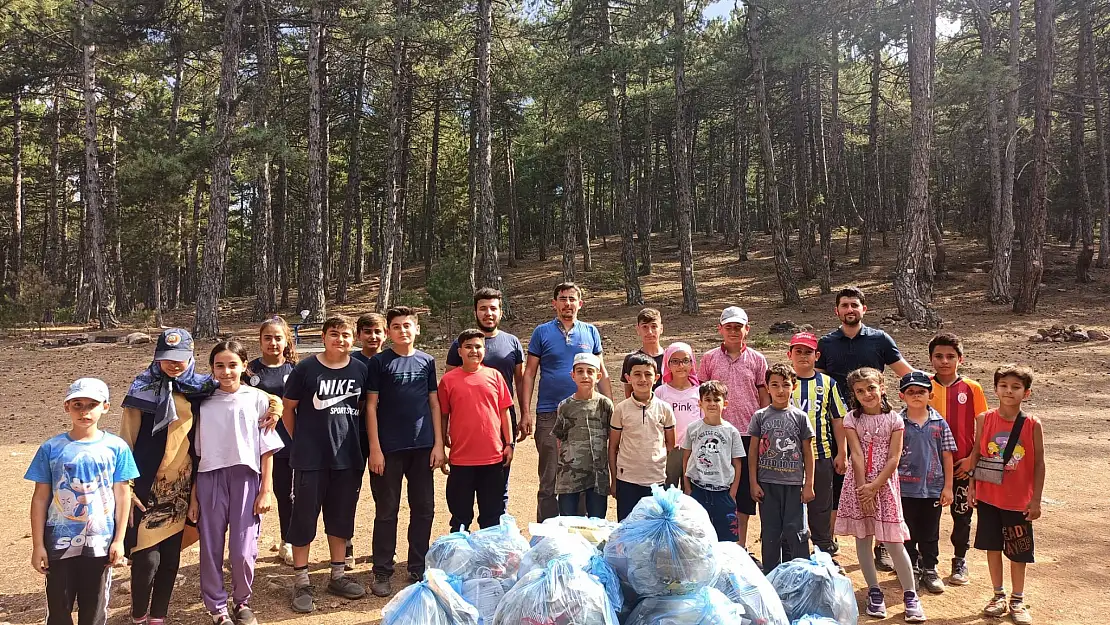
[(849, 347)]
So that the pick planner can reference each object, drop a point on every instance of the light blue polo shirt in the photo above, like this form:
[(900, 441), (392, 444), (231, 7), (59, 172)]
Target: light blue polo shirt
[(556, 351)]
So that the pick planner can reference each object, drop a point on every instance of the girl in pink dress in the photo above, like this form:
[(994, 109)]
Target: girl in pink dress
[(871, 502)]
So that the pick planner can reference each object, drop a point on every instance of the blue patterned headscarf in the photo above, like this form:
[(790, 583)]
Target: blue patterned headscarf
[(152, 391)]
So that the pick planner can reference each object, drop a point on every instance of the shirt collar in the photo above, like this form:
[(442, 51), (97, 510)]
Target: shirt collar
[(933, 415), (640, 404)]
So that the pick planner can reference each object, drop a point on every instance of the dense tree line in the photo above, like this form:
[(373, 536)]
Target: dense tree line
[(165, 155)]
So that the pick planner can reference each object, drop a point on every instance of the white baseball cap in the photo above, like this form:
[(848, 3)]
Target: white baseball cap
[(88, 388), (734, 314), (586, 358)]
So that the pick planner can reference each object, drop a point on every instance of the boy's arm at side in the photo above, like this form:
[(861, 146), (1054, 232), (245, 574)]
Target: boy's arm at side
[(506, 437), (122, 493), (668, 438), (528, 384), (614, 446), (840, 462), (289, 414), (753, 469), (438, 459), (376, 461), (605, 385), (685, 463), (946, 493), (737, 468), (974, 458), (39, 502), (1033, 511), (807, 463)]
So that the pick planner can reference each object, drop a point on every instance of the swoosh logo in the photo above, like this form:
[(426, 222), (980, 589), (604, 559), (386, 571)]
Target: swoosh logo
[(324, 404)]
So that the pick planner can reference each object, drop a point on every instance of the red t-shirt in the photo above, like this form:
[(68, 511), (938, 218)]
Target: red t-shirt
[(959, 403), (1016, 490), (474, 402)]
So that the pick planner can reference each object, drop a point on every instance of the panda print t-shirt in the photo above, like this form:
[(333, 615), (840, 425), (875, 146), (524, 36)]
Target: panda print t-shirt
[(272, 380), (80, 520), (712, 449)]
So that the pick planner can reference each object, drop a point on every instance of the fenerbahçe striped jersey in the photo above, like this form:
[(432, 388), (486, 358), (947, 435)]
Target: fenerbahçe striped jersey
[(818, 398), (959, 403)]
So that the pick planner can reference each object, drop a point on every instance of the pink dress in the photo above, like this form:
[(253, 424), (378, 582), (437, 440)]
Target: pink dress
[(887, 524)]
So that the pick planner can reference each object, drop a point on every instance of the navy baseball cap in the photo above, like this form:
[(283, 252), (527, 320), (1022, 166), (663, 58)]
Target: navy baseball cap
[(174, 344), (915, 378)]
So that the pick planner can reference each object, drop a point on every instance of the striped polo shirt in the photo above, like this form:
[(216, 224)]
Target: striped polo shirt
[(818, 398), (959, 403)]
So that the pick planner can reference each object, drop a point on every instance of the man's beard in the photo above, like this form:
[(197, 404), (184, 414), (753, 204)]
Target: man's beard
[(484, 328), (856, 320)]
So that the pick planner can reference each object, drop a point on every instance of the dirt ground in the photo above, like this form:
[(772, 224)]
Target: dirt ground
[(1071, 395)]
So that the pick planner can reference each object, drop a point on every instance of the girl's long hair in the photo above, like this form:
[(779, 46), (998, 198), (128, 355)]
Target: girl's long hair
[(863, 374), (290, 351)]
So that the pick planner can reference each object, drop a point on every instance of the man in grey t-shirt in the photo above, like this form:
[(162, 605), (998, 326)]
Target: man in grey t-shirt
[(780, 461)]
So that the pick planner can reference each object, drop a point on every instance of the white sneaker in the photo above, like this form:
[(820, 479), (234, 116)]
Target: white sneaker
[(286, 553)]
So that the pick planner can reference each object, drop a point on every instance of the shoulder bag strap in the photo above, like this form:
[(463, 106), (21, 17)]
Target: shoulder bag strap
[(1015, 434)]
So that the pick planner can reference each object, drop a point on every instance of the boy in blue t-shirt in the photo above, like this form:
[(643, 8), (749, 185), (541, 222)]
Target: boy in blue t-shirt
[(406, 442), (76, 527)]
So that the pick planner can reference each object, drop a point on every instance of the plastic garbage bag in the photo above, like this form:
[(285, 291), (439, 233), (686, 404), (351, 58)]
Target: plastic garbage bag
[(811, 619), (609, 579), (557, 594), (494, 552), (571, 546), (430, 602), (595, 531), (665, 546), (743, 583), (707, 606), (483, 593), (814, 587)]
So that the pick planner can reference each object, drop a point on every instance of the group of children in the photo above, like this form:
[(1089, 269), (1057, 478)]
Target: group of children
[(219, 451)]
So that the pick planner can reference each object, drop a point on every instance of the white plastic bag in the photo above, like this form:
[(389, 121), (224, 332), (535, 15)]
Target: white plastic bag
[(815, 587), (708, 606), (558, 594), (430, 602), (571, 546), (743, 583)]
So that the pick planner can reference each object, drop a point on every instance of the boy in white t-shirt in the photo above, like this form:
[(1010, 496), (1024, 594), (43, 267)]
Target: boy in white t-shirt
[(679, 390), (713, 452)]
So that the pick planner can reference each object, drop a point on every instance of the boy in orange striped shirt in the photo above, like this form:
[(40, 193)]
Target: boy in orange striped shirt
[(959, 400)]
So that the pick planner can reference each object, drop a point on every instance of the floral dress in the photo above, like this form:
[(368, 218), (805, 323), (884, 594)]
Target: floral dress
[(887, 523)]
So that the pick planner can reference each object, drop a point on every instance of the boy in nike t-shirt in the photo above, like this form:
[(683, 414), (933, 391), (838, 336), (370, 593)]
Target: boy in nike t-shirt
[(406, 441), (323, 403)]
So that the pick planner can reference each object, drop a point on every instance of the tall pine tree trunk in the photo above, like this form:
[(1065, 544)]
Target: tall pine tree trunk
[(987, 44), (647, 186), (511, 200), (683, 182), (353, 203), (874, 205), (102, 300), (802, 195), (783, 270), (391, 248), (207, 323), (999, 291), (1036, 216), (311, 294), (265, 274), (112, 202), (16, 250), (572, 201), (913, 280), (54, 258), (431, 198), (1102, 174), (1079, 165), (489, 273)]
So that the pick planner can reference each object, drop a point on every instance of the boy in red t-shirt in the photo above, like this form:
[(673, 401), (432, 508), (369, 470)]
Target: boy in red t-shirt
[(475, 401), (1007, 510), (959, 400)]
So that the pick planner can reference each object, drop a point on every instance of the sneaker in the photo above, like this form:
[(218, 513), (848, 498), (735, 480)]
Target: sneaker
[(876, 603), (221, 619), (380, 587), (882, 559), (1019, 612), (303, 599), (415, 578), (349, 558), (140, 620), (959, 575), (245, 616), (346, 587), (834, 548), (930, 581), (914, 612), (285, 552), (997, 606)]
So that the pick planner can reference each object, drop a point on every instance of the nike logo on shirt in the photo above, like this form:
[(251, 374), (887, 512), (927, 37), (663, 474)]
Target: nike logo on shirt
[(324, 404)]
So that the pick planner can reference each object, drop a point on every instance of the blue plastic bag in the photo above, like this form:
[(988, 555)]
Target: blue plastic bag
[(811, 619), (743, 583), (571, 546), (494, 552), (707, 606), (815, 587), (665, 546), (609, 579), (430, 602), (558, 594)]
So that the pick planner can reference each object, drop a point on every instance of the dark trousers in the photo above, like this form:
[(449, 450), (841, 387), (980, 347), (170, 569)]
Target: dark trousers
[(722, 511), (283, 492), (84, 579), (413, 466), (486, 484), (961, 519), (923, 518), (596, 505), (782, 520), (628, 495), (153, 573), (820, 509)]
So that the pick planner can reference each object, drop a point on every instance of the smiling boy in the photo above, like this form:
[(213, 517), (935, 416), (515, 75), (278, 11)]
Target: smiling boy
[(581, 430), (641, 435), (649, 327), (712, 454)]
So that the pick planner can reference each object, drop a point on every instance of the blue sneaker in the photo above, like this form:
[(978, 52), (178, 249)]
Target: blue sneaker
[(914, 612)]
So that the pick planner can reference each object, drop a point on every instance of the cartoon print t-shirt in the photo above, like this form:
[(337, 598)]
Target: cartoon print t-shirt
[(781, 434), (329, 407), (80, 520), (712, 449), (1016, 490)]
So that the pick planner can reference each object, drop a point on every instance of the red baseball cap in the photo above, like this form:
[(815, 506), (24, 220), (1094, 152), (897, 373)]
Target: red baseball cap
[(808, 339)]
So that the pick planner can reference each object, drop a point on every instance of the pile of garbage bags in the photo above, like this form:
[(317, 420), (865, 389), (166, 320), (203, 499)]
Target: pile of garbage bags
[(661, 566)]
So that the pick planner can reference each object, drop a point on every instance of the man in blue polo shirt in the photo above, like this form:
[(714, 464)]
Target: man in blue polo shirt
[(551, 352), (849, 347)]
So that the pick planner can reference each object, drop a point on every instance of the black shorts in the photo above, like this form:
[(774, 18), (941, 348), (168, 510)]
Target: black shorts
[(744, 502), (1007, 531), (335, 491)]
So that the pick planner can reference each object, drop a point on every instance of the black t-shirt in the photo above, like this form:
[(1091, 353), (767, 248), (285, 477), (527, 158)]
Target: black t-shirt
[(626, 368), (841, 355), (272, 381), (402, 384), (328, 412)]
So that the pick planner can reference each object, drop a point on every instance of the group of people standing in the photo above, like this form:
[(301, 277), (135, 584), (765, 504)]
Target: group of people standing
[(220, 450)]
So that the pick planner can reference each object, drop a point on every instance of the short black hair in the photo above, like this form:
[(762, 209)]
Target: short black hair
[(370, 320), (851, 292), (566, 286), (947, 339), (341, 322), (471, 333), (641, 359), (1021, 372), (400, 311), (712, 388), (782, 370), (487, 292)]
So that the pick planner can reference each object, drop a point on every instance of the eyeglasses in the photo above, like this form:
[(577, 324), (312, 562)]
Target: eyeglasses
[(684, 361)]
